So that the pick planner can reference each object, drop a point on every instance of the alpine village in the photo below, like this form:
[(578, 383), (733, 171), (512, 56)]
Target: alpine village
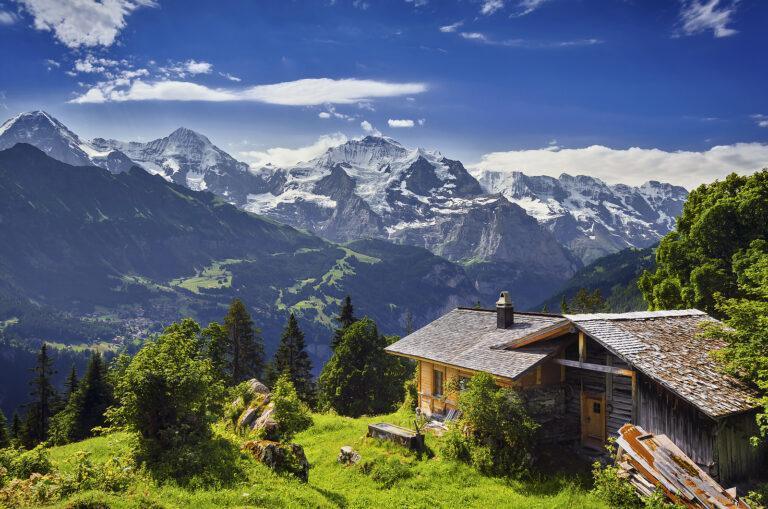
[(560, 302)]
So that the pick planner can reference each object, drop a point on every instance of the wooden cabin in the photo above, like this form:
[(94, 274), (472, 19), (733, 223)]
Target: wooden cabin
[(584, 376)]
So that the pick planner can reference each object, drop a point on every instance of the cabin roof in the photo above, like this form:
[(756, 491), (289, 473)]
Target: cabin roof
[(667, 347), (465, 337)]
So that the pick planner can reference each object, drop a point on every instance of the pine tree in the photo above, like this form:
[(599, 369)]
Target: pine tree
[(345, 319), (247, 347), (216, 347), (44, 399), (292, 359), (90, 401), (71, 383), (563, 305), (16, 429), (5, 436), (360, 377)]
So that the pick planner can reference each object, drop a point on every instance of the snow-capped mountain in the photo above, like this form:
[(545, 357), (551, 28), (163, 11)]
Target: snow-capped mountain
[(43, 131), (587, 215), (190, 159), (376, 187)]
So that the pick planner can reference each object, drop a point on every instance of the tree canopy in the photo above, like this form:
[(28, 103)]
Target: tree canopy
[(293, 360)]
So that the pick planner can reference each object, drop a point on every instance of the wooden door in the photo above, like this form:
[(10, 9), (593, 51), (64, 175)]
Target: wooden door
[(593, 420)]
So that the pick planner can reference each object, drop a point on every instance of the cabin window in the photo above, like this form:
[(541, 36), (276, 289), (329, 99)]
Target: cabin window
[(437, 385), (463, 382)]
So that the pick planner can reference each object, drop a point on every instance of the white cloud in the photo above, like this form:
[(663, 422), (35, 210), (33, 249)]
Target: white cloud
[(51, 64), (446, 29), (8, 18), (417, 3), (422, 121), (330, 112), (760, 119), (368, 128), (400, 123), (474, 36), (491, 6), (360, 4), (283, 157), (525, 7), (230, 77), (324, 114), (194, 67), (77, 23), (305, 92), (698, 16), (481, 38), (91, 64), (634, 165)]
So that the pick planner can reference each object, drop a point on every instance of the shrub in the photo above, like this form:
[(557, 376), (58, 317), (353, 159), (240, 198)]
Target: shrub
[(613, 489), (31, 462), (387, 471), (169, 394), (497, 431), (290, 413)]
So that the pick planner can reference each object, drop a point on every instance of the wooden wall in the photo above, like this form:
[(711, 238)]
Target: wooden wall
[(735, 456)]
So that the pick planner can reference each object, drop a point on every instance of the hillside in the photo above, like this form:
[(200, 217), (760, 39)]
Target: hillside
[(388, 476), (615, 276), (135, 251)]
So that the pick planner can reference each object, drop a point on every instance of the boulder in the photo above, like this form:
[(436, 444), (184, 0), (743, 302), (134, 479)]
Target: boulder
[(348, 456), (248, 417), (285, 458), (257, 387), (267, 424)]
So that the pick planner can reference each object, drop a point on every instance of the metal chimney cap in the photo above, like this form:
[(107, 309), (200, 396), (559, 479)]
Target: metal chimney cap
[(504, 299)]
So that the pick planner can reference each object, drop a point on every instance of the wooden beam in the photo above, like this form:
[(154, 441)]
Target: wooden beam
[(549, 332), (594, 367), (582, 347), (635, 397)]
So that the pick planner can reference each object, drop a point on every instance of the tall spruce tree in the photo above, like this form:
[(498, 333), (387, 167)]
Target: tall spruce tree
[(71, 383), (360, 377), (217, 348), (345, 319), (5, 435), (246, 345), (90, 400), (409, 327), (17, 430), (44, 399), (292, 359)]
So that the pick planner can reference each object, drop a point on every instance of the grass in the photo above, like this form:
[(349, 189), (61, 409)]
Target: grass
[(214, 276), (408, 481)]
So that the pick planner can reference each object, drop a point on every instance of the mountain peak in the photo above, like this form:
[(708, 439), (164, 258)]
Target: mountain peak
[(184, 133)]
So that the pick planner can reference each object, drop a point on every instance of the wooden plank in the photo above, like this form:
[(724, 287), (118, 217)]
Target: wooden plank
[(601, 368), (548, 333), (582, 347)]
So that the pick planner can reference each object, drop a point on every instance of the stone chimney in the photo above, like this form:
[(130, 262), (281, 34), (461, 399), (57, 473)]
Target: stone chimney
[(505, 312)]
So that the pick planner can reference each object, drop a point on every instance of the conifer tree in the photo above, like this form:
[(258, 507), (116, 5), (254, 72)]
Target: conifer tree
[(360, 377), (44, 399), (216, 346), (345, 319), (90, 400), (71, 383), (246, 345), (16, 429), (292, 359), (5, 435)]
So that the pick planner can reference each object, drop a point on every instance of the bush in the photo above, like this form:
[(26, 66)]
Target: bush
[(169, 394), (494, 433), (31, 462), (387, 471), (612, 489), (290, 413)]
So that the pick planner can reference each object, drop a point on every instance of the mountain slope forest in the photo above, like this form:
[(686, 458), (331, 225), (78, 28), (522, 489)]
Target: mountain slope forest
[(614, 276), (107, 255)]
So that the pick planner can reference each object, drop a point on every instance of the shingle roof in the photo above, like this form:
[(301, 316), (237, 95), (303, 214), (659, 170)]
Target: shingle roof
[(464, 337), (666, 346)]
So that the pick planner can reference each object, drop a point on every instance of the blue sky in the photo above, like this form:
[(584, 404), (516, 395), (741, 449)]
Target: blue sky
[(527, 83)]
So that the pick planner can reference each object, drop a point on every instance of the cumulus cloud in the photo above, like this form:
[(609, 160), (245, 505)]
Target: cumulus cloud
[(401, 123), (283, 157), (491, 6), (77, 23), (698, 16), (92, 64), (330, 112), (446, 29), (634, 165), (182, 69), (760, 119), (368, 128), (305, 92)]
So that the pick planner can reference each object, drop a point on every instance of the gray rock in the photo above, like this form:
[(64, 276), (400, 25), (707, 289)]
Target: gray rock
[(257, 387), (288, 458), (248, 417), (348, 456)]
